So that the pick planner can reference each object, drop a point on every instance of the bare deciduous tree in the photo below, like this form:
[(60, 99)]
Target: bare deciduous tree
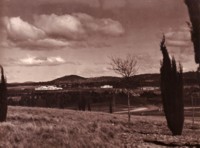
[(126, 67)]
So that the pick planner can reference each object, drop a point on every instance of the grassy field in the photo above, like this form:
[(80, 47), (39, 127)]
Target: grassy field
[(46, 128)]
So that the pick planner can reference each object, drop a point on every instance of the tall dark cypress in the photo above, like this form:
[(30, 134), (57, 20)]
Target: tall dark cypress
[(3, 97), (194, 13), (172, 92)]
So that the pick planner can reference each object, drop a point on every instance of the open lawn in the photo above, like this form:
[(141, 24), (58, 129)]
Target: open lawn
[(43, 127)]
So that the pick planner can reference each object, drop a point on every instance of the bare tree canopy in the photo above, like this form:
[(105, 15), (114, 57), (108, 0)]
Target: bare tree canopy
[(126, 67)]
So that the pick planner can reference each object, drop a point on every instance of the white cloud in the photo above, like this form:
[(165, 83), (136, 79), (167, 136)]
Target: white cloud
[(77, 26), (103, 26), (110, 27), (40, 61), (50, 32), (65, 26), (179, 38), (19, 30), (178, 35), (178, 43), (30, 61)]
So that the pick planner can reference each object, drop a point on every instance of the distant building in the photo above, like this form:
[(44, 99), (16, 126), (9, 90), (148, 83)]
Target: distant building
[(48, 88), (148, 88), (106, 86)]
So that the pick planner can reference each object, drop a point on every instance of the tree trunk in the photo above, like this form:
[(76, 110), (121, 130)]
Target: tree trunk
[(111, 105), (129, 114), (113, 102)]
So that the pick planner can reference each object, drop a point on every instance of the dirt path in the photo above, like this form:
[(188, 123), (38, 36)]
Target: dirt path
[(139, 109)]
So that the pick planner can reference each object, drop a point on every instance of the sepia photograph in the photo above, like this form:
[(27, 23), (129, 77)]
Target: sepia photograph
[(99, 73)]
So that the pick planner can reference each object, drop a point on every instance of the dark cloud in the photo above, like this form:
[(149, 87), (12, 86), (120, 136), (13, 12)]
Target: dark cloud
[(1, 17), (131, 11), (58, 7), (89, 44), (44, 44)]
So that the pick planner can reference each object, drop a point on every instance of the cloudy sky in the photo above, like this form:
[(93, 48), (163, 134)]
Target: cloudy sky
[(45, 39)]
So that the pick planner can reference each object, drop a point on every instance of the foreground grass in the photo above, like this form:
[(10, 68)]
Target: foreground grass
[(39, 127)]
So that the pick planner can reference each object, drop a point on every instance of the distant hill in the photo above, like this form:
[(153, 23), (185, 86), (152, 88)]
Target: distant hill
[(147, 79), (190, 78), (69, 79)]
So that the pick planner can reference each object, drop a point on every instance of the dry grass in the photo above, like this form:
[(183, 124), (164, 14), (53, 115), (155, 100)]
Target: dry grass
[(39, 127)]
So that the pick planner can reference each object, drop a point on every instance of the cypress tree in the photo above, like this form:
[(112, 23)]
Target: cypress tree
[(194, 12), (3, 97), (172, 91)]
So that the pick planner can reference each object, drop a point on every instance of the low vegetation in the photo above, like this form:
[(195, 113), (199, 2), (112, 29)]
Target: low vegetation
[(43, 127)]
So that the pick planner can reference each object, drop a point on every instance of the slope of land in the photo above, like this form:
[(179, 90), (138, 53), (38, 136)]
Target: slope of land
[(38, 127)]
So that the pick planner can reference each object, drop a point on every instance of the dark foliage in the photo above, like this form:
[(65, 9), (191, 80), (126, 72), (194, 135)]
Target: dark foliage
[(148, 94), (172, 92), (194, 12), (3, 97)]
